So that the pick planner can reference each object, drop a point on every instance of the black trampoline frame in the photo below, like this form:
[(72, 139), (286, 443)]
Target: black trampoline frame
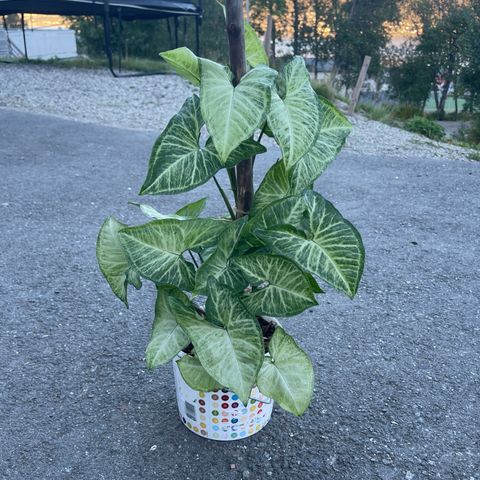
[(110, 12)]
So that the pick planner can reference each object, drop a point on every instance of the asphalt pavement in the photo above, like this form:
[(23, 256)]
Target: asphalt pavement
[(397, 369)]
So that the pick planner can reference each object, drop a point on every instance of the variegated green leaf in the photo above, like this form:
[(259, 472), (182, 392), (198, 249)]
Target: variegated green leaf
[(331, 249), (231, 113), (191, 210), (254, 50), (168, 337), (155, 249), (287, 211), (287, 374), (194, 209), (275, 186), (113, 261), (334, 129), (184, 62), (218, 265), (195, 375), (246, 149), (293, 116), (178, 163), (279, 183), (228, 343), (280, 288)]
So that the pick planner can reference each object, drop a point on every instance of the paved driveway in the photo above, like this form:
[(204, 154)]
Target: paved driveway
[(397, 369)]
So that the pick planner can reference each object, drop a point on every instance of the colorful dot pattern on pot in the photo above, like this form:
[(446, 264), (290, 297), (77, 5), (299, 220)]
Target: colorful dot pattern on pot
[(220, 415)]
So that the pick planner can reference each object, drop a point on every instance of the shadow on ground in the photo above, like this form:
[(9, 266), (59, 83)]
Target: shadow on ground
[(396, 370)]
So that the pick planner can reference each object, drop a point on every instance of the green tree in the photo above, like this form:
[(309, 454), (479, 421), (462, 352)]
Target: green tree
[(360, 29)]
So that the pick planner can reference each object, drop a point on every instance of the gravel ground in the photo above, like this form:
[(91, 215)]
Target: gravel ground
[(397, 369), (147, 103)]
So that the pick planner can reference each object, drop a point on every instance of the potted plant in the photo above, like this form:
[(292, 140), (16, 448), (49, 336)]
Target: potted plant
[(231, 359)]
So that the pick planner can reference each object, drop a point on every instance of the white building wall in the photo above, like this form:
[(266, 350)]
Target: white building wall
[(46, 43)]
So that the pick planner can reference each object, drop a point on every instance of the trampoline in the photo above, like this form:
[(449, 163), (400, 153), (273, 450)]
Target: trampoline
[(108, 9)]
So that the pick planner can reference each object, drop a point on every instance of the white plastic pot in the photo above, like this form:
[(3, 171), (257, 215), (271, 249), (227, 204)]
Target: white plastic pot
[(220, 415)]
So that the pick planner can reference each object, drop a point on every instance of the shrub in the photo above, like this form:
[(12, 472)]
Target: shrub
[(323, 89), (379, 112), (406, 111), (473, 133), (425, 126)]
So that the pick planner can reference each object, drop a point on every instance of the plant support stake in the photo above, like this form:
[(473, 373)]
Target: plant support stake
[(238, 63)]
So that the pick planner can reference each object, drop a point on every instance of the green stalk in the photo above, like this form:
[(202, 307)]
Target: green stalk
[(225, 198), (193, 258), (233, 181)]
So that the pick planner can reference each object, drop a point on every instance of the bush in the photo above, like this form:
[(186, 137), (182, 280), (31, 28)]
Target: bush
[(406, 111), (425, 126), (323, 89), (473, 133), (379, 112)]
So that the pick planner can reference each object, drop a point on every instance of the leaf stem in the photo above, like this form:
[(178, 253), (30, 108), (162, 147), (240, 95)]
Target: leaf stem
[(258, 140), (225, 198), (233, 181), (193, 258)]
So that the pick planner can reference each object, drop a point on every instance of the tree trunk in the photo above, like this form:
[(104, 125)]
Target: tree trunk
[(295, 27), (238, 64), (443, 99), (435, 95), (273, 39), (316, 40)]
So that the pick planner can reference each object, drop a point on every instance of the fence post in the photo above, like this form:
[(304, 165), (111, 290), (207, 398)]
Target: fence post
[(358, 86)]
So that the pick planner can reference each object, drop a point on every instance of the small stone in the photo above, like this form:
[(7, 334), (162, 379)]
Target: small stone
[(409, 475), (246, 474)]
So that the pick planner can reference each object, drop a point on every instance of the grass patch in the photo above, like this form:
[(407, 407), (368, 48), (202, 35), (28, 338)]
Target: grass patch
[(327, 91), (425, 126), (474, 156), (379, 112), (144, 65)]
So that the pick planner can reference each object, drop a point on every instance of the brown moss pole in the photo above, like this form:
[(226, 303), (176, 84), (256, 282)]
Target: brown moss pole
[(238, 64)]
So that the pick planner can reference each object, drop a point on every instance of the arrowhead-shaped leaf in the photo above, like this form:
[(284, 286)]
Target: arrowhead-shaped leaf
[(334, 129), (332, 247), (184, 62), (155, 249), (254, 50), (287, 374), (280, 182), (287, 211), (178, 163), (191, 210), (231, 113), (280, 288), (194, 209), (195, 375), (218, 264), (113, 261), (293, 117), (275, 186), (168, 337), (228, 343)]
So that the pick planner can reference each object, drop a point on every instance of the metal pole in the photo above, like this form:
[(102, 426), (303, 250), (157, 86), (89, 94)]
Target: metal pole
[(176, 30), (107, 28), (169, 32), (24, 39), (198, 22), (120, 37)]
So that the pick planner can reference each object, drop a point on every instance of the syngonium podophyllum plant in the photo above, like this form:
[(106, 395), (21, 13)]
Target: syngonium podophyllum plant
[(250, 266)]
